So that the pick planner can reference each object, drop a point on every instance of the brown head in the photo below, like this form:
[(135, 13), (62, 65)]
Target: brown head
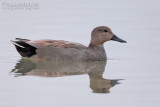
[(102, 34)]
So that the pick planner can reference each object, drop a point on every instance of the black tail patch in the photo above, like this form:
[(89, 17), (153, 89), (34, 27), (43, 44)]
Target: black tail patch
[(27, 51)]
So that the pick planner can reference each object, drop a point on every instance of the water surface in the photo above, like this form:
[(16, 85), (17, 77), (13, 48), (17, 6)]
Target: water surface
[(129, 78)]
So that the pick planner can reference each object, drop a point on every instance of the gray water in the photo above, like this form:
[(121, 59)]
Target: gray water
[(129, 78)]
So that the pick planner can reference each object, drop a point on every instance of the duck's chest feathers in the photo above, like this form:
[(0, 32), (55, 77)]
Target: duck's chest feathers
[(99, 52)]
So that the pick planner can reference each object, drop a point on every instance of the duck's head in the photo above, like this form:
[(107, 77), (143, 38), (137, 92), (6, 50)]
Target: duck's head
[(102, 34)]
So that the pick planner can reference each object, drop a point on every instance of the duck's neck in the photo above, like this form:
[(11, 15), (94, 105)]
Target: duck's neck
[(99, 51)]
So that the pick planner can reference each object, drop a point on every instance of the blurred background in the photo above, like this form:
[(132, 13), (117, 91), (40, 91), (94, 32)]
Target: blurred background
[(136, 63)]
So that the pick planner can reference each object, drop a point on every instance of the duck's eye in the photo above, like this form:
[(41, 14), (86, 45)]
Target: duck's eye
[(105, 30)]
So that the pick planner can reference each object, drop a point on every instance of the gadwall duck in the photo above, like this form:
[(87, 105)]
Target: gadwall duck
[(63, 50)]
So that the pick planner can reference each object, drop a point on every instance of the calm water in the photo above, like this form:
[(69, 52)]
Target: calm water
[(130, 78)]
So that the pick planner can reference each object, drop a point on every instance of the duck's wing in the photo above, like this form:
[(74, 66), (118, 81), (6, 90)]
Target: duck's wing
[(27, 48), (55, 43)]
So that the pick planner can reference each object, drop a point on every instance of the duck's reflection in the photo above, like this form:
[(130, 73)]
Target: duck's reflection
[(94, 69)]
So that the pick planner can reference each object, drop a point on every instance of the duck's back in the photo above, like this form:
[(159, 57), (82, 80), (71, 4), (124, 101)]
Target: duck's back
[(55, 43)]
